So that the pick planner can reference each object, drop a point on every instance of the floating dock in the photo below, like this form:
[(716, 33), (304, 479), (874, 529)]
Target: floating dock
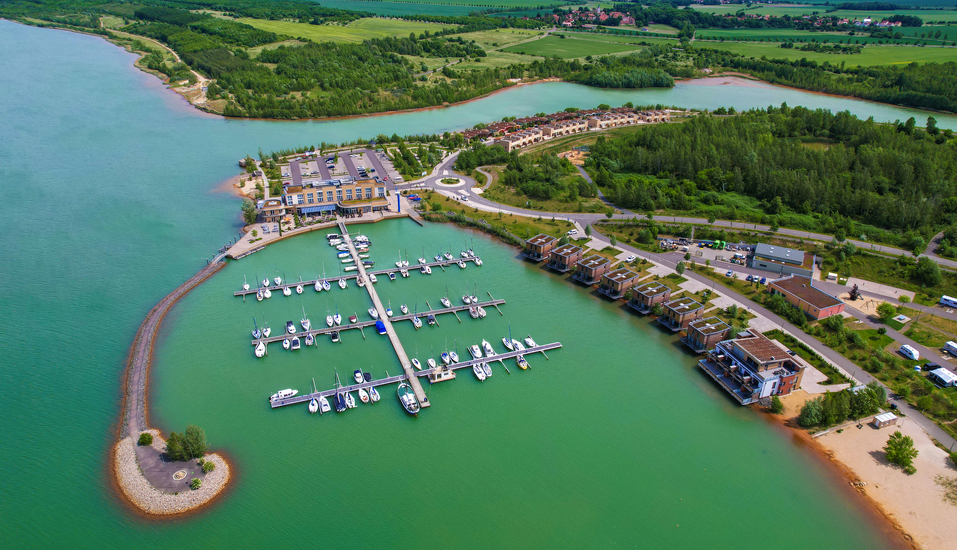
[(416, 375)]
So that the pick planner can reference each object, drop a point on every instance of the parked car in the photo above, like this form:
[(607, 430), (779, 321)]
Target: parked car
[(749, 278), (572, 232), (764, 280), (631, 258), (729, 273)]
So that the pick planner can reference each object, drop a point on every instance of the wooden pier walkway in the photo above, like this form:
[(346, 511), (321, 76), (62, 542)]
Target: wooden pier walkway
[(365, 324), (416, 375), (352, 275)]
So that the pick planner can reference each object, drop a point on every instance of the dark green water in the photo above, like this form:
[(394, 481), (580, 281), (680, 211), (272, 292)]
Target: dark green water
[(110, 202)]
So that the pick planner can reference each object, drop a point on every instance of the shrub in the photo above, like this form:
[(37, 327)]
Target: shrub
[(208, 466), (196, 483), (146, 438), (777, 407), (900, 451), (812, 413)]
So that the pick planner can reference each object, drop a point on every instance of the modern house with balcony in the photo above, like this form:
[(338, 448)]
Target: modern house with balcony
[(703, 334), (590, 270), (646, 295), (616, 283), (679, 313), (753, 367), (539, 247), (564, 258)]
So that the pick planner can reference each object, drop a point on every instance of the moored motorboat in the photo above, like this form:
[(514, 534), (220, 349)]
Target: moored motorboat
[(283, 394), (353, 268), (446, 358), (380, 327), (260, 349), (446, 302), (404, 309), (295, 344), (454, 356), (361, 282), (427, 270), (343, 254), (392, 275), (508, 344), (531, 343), (478, 261), (363, 395), (334, 335), (313, 406), (324, 405), (372, 278), (310, 339), (479, 372), (476, 351), (430, 319), (404, 272), (374, 395), (343, 284), (290, 327), (488, 369), (348, 260), (407, 398), (353, 319), (487, 348), (417, 322), (416, 364), (373, 313), (340, 402), (461, 264), (357, 375)]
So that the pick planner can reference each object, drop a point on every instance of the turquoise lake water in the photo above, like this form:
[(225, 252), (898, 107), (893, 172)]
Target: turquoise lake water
[(111, 201)]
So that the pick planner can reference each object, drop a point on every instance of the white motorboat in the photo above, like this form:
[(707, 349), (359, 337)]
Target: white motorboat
[(473, 312), (259, 296), (313, 406), (260, 349), (342, 247), (265, 283), (283, 394), (487, 348), (475, 351), (331, 236), (372, 278), (404, 309), (278, 280), (531, 343), (266, 331), (481, 312), (360, 281), (343, 255), (478, 261), (392, 275), (363, 395), (299, 289), (374, 313), (286, 343), (318, 286), (479, 372), (286, 291), (343, 284), (324, 405), (358, 376), (310, 340), (329, 320), (374, 395), (508, 344), (427, 270), (326, 285), (466, 299), (454, 356), (348, 260), (245, 283), (446, 302), (334, 336), (461, 264), (296, 344), (517, 345), (267, 294), (290, 327), (416, 364), (417, 322), (404, 272), (430, 362), (488, 369), (446, 358), (350, 401), (363, 256)]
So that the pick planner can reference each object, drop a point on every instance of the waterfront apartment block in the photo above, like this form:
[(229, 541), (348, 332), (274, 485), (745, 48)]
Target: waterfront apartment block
[(801, 293), (520, 139), (616, 283), (564, 258), (753, 367), (590, 270), (539, 247), (679, 313), (344, 195), (781, 260), (611, 120), (646, 295), (703, 334), (271, 210), (564, 128)]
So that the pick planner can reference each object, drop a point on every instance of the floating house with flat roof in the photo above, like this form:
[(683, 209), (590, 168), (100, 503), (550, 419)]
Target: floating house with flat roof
[(679, 313), (590, 270), (646, 295), (703, 334), (539, 247), (564, 258), (616, 283), (752, 367)]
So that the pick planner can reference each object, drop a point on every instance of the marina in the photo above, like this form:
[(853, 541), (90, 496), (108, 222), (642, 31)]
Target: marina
[(395, 379)]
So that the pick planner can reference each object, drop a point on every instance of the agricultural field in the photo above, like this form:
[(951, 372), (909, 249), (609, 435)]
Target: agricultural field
[(443, 7), (494, 60), (498, 38), (925, 15), (784, 35), (357, 31), (777, 11), (871, 55), (569, 48), (255, 51)]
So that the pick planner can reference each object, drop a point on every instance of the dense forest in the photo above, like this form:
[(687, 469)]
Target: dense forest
[(895, 177)]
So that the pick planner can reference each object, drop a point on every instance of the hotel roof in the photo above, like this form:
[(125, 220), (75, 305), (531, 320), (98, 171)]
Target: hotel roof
[(683, 305), (540, 240), (803, 288), (594, 261), (566, 250), (710, 325), (621, 275)]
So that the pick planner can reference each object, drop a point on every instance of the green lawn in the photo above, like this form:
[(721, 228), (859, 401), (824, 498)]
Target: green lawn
[(874, 339), (357, 31), (926, 336), (568, 48)]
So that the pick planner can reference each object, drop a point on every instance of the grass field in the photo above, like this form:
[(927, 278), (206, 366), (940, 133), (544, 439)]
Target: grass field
[(568, 48), (872, 55), (357, 31), (912, 35), (442, 7), (498, 38), (492, 60), (796, 11)]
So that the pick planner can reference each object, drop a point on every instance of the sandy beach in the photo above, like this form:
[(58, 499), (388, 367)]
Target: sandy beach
[(913, 504)]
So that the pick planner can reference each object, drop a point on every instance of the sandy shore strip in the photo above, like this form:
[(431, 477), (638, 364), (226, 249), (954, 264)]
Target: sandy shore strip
[(913, 504), (154, 502)]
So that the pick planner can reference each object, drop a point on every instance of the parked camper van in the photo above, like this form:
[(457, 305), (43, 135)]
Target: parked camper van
[(947, 301), (909, 352), (951, 348)]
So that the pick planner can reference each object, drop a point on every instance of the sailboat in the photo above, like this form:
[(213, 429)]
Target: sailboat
[(286, 291), (373, 313), (489, 352), (278, 280), (329, 320), (267, 294), (488, 370), (305, 322), (325, 284), (245, 284), (260, 349), (404, 309), (313, 405), (416, 363), (286, 343), (256, 332), (337, 318), (430, 361), (343, 284), (310, 339), (340, 399), (266, 330), (531, 343), (350, 401), (522, 363), (476, 351), (388, 310), (299, 286), (259, 295), (363, 395), (374, 395), (265, 282), (318, 286)]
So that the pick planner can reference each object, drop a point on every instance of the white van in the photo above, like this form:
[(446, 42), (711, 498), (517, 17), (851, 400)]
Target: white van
[(909, 352), (951, 348)]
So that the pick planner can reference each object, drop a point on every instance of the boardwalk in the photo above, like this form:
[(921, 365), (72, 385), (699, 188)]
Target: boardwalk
[(415, 375)]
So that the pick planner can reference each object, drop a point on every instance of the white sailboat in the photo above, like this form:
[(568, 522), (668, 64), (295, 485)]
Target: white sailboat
[(326, 285), (388, 310), (260, 349), (267, 294), (363, 395), (373, 313), (374, 395), (245, 284), (404, 309), (286, 291), (489, 352), (313, 406), (488, 370), (416, 364), (531, 343), (350, 401), (266, 330), (305, 322), (278, 280), (299, 286), (259, 295), (318, 286), (337, 318), (265, 283), (343, 284)]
